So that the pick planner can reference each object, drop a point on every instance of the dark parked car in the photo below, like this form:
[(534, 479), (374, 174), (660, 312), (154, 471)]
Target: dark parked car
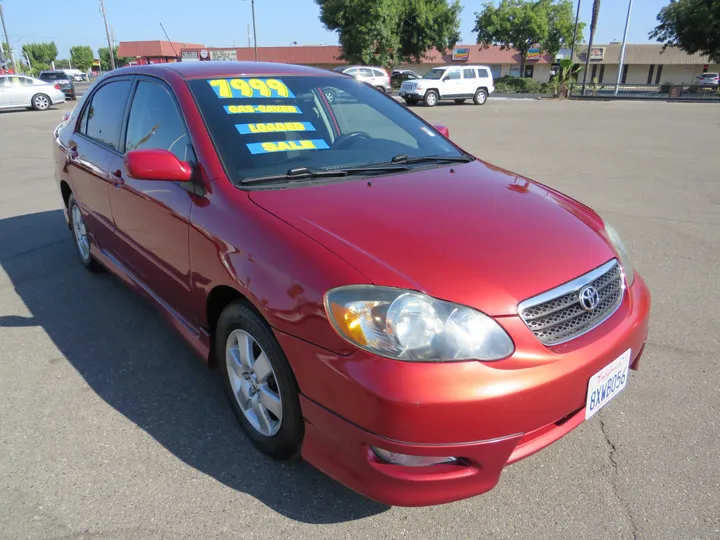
[(63, 79), (398, 76), (406, 317)]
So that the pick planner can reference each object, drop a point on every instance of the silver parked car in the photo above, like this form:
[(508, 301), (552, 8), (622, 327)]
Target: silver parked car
[(21, 91), (709, 79), (374, 76)]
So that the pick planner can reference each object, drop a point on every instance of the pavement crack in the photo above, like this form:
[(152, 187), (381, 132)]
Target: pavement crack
[(612, 451), (7, 258)]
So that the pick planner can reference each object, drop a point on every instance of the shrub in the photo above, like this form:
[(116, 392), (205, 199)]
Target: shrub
[(519, 85)]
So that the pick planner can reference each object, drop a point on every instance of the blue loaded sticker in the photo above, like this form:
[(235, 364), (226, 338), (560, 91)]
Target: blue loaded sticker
[(262, 109), (287, 146), (250, 88), (274, 127)]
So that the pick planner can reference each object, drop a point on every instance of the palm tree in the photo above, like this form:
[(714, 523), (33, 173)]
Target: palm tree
[(593, 26)]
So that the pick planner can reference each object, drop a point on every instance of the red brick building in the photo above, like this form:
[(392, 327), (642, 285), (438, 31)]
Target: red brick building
[(153, 52)]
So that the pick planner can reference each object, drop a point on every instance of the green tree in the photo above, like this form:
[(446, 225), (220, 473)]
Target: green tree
[(691, 25), (40, 53), (523, 24), (386, 32), (105, 58), (81, 57), (63, 63)]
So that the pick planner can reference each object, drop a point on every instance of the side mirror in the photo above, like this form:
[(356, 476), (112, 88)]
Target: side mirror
[(156, 164), (444, 131)]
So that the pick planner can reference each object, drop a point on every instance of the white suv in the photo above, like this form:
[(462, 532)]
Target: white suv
[(450, 82)]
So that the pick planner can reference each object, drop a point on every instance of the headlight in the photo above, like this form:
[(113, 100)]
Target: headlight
[(408, 325), (622, 254)]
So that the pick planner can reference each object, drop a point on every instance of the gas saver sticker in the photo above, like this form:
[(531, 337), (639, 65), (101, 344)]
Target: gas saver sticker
[(262, 109)]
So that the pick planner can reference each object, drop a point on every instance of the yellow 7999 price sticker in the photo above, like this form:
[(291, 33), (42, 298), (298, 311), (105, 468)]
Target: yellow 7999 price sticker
[(250, 88)]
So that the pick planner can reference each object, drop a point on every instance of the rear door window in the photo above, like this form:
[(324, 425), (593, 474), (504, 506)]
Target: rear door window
[(103, 116), (469, 73)]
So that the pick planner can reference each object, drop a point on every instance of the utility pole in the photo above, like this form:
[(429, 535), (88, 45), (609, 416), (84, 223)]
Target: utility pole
[(577, 20), (622, 47), (7, 39), (107, 32), (249, 38), (254, 31)]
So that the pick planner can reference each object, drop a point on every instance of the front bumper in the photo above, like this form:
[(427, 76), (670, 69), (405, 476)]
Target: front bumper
[(488, 414), (414, 93)]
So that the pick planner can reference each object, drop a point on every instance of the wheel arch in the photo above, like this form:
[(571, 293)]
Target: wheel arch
[(220, 297), (65, 191)]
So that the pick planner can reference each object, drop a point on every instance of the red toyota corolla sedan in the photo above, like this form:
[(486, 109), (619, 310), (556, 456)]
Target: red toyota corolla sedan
[(406, 317)]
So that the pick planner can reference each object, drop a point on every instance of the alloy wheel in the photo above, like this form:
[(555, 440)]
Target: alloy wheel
[(81, 237), (253, 383), (42, 102)]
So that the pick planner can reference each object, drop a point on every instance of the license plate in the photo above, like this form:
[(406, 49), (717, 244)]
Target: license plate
[(607, 383)]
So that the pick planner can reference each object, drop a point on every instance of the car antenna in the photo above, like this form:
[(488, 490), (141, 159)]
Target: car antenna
[(170, 42)]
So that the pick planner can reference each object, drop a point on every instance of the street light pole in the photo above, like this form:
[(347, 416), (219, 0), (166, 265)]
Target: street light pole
[(254, 31), (7, 39), (107, 32), (577, 20), (622, 47)]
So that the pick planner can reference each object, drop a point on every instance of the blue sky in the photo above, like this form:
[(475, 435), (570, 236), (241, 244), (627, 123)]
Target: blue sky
[(224, 22)]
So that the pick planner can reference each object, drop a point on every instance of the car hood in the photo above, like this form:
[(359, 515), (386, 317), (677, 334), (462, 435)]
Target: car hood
[(469, 233)]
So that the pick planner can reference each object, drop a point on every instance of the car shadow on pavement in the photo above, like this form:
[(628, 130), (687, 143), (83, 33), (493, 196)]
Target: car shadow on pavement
[(133, 360)]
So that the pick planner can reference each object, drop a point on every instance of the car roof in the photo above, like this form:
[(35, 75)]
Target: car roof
[(206, 69)]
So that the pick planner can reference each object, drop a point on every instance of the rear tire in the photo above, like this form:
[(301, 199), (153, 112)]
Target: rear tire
[(277, 429), (40, 102), (382, 89), (480, 97), (81, 236), (459, 101), (431, 98)]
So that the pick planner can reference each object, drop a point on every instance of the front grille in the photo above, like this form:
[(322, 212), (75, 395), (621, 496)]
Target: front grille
[(557, 316)]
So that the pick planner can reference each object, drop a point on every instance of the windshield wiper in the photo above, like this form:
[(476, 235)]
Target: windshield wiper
[(305, 173), (404, 158)]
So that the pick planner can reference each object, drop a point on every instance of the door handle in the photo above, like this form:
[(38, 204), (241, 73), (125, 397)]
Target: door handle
[(116, 178)]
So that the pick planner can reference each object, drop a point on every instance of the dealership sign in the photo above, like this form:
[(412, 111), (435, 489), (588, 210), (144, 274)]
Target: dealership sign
[(597, 53), (461, 54), (533, 54), (226, 55), (190, 56)]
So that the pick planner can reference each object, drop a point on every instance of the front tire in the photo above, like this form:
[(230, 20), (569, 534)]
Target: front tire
[(431, 98), (40, 102), (81, 236), (259, 382), (480, 97)]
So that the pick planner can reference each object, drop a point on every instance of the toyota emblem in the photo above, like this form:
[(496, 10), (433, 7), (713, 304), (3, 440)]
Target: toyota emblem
[(589, 298)]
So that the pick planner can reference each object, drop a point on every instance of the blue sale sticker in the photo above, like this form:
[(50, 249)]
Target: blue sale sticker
[(250, 88), (262, 109), (274, 127), (287, 146)]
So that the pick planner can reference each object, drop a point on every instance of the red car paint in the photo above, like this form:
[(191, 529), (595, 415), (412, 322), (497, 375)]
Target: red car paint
[(487, 244)]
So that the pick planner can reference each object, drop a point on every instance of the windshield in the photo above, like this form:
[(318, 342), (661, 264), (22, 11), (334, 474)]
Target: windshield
[(710, 76), (53, 76), (267, 126), (434, 74)]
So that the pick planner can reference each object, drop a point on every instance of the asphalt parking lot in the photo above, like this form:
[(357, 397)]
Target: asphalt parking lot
[(111, 428)]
